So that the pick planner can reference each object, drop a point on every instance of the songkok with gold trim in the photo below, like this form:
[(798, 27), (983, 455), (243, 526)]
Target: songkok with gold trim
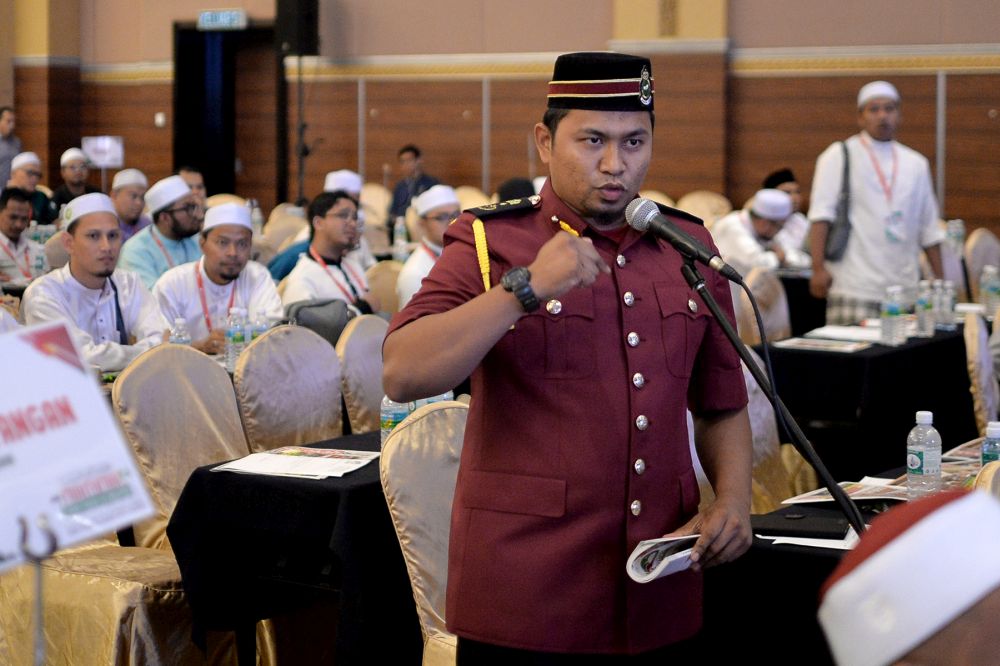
[(601, 81)]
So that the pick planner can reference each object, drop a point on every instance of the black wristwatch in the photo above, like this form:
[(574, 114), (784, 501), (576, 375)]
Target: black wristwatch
[(518, 282)]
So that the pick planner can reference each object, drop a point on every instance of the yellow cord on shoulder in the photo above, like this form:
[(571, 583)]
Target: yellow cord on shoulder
[(482, 251), (568, 229)]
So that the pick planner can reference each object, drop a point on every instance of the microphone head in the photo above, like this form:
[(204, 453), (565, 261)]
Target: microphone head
[(640, 212)]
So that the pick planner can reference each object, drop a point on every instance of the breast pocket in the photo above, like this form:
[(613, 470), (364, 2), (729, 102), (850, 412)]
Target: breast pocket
[(555, 341), (682, 327)]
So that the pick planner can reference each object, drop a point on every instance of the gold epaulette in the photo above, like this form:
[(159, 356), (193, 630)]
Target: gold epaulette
[(490, 210)]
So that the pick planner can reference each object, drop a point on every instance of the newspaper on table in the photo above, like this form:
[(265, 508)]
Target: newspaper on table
[(971, 450), (856, 491), (822, 344), (301, 461), (655, 558), (64, 467)]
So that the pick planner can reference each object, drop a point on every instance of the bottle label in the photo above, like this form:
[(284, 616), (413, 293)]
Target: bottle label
[(915, 462)]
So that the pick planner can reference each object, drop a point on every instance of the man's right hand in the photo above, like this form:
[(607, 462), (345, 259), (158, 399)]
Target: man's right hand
[(563, 263), (215, 343), (819, 283)]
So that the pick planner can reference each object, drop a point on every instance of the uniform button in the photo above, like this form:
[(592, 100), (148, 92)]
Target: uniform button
[(638, 380), (692, 306), (633, 339), (620, 260), (635, 507), (553, 307), (629, 298), (640, 466), (641, 422)]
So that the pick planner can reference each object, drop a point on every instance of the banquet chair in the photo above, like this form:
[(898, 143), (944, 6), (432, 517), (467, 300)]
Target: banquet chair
[(262, 251), (951, 263), (360, 352), (982, 380), (773, 303), (413, 229), (283, 226), (376, 235), (287, 385), (658, 197), (982, 248), (55, 251), (223, 198), (375, 200), (470, 197), (382, 278), (178, 411), (709, 206), (418, 468), (988, 480)]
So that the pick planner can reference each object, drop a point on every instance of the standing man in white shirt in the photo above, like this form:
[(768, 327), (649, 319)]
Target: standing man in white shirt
[(111, 315), (325, 270), (171, 239), (437, 207), (202, 292), (893, 213), (750, 238), (21, 259)]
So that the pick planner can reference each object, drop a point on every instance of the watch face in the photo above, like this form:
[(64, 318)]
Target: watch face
[(515, 277)]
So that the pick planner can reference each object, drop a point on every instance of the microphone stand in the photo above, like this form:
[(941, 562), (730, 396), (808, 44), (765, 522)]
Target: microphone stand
[(799, 440)]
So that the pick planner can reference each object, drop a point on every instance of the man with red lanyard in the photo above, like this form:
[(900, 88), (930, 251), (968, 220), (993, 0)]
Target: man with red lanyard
[(171, 240), (893, 213), (21, 259), (326, 270), (437, 208), (202, 292)]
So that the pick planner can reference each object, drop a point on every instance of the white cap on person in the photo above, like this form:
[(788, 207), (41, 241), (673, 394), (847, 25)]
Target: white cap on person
[(72, 155), (771, 205), (85, 204), (22, 160), (227, 213), (345, 180), (439, 195), (876, 89), (165, 192), (129, 177)]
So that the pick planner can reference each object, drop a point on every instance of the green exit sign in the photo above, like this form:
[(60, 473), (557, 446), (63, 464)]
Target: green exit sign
[(222, 19)]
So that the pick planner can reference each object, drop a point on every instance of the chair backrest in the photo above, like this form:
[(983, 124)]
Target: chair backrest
[(418, 468), (283, 226), (382, 282), (55, 251), (773, 303), (658, 197), (375, 200), (223, 198), (262, 251), (709, 206), (177, 408), (982, 380), (988, 480), (288, 389), (413, 225), (470, 197), (360, 352), (982, 248)]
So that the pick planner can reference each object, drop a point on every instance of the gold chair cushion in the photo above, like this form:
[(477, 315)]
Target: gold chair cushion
[(360, 352), (382, 282), (979, 362)]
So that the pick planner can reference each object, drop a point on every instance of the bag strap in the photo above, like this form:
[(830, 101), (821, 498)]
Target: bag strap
[(845, 183)]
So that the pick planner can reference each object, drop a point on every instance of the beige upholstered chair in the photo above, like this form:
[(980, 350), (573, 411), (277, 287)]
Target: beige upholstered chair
[(375, 200), (982, 248), (55, 251), (178, 411), (418, 467), (951, 261), (44, 189), (382, 282), (773, 303), (360, 352), (982, 380), (413, 225), (287, 243), (282, 226), (988, 480), (709, 206), (288, 388), (470, 197), (217, 199), (658, 197), (262, 251)]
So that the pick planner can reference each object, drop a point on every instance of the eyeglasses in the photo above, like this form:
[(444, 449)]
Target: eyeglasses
[(187, 208), (34, 174), (345, 214), (76, 167), (444, 217)]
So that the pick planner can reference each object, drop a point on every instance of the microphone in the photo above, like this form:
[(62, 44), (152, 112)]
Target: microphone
[(643, 214)]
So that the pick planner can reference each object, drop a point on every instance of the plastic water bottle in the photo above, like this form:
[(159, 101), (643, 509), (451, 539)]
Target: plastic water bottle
[(955, 234), (923, 457), (893, 332), (179, 334), (989, 289), (259, 325), (256, 217), (399, 237), (990, 448), (447, 395), (235, 338), (946, 307), (392, 414), (925, 310)]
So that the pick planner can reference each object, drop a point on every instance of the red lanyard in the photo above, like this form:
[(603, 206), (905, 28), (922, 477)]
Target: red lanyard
[(887, 187), (360, 281), (170, 261), (434, 255), (26, 269), (204, 302)]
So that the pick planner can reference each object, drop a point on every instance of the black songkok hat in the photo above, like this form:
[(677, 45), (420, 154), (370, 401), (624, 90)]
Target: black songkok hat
[(777, 178), (601, 82)]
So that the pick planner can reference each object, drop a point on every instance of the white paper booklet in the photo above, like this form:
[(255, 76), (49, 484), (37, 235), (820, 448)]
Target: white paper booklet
[(301, 461), (654, 558)]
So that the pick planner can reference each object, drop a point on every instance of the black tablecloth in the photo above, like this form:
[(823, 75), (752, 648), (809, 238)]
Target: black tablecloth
[(251, 547), (805, 311), (858, 408)]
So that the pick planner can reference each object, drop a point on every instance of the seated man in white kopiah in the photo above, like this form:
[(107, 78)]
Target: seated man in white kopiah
[(203, 291), (795, 233), (921, 587), (110, 314), (21, 259), (128, 192), (325, 270), (437, 207), (748, 238)]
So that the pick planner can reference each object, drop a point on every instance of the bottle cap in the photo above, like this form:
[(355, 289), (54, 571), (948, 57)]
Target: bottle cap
[(993, 429), (925, 418)]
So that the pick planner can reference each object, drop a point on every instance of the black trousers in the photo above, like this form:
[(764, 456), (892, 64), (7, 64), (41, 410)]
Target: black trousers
[(474, 653)]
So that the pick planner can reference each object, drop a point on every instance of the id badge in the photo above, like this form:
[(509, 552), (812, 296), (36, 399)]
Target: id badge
[(895, 230)]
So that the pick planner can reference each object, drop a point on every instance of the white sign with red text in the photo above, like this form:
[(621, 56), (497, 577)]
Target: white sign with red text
[(63, 461)]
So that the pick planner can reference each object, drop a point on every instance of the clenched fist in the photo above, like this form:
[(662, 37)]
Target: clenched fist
[(563, 263)]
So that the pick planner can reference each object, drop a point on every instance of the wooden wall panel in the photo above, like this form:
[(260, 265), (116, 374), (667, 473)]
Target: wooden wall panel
[(515, 107), (256, 93), (47, 100), (972, 150), (331, 114)]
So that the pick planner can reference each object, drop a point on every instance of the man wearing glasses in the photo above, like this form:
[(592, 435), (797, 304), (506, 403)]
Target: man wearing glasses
[(25, 174), (437, 207), (170, 241), (73, 169), (750, 238)]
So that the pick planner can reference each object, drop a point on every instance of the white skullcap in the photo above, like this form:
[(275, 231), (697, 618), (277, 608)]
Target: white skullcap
[(24, 159), (85, 204), (539, 183), (439, 195), (72, 155), (920, 566), (345, 180), (227, 213), (127, 177), (875, 89), (165, 192), (772, 205)]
